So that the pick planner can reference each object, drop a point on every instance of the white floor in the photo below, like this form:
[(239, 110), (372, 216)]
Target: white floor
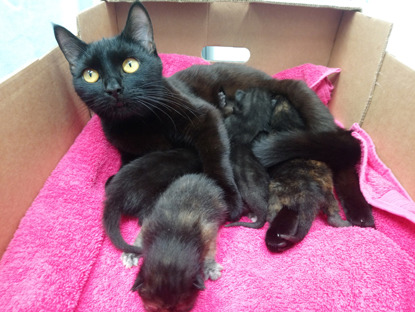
[(26, 30)]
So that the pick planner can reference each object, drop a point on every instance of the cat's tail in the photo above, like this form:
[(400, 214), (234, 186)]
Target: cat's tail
[(112, 220), (338, 149)]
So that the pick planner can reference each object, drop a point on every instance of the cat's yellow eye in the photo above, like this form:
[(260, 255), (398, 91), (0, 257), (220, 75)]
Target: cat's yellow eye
[(90, 75), (130, 65)]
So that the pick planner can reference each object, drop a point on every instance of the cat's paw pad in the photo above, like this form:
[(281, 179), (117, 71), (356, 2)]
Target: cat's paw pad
[(129, 260), (212, 270), (252, 217)]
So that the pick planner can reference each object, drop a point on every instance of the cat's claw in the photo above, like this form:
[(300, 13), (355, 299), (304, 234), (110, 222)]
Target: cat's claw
[(129, 260)]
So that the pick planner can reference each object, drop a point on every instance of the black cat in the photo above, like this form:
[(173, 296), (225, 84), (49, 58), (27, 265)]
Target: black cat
[(120, 79)]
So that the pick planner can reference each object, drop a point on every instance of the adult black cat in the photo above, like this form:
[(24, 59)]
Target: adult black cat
[(120, 79)]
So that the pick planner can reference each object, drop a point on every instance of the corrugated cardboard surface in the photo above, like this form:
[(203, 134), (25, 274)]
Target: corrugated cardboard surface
[(359, 49), (390, 120), (40, 117)]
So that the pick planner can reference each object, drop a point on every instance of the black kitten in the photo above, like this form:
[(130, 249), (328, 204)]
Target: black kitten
[(120, 79), (246, 116), (178, 244), (134, 190), (321, 140)]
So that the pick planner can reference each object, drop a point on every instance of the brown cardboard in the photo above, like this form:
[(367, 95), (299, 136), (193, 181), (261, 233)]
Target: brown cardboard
[(359, 49), (390, 120), (40, 118), (40, 115)]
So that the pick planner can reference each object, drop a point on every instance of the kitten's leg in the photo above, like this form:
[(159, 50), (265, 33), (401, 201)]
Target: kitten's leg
[(131, 259), (331, 209), (355, 206), (211, 269)]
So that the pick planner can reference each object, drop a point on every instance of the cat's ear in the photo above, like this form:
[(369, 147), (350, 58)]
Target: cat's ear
[(138, 284), (138, 27), (199, 283), (239, 95), (71, 46)]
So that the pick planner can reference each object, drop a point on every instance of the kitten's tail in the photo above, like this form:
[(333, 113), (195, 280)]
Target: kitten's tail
[(338, 149), (112, 220)]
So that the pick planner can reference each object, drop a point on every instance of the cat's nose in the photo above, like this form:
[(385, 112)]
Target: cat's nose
[(113, 88)]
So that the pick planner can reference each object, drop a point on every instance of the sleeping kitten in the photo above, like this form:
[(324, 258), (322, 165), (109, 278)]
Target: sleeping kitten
[(321, 139), (134, 190), (120, 79), (178, 244), (299, 188), (246, 116)]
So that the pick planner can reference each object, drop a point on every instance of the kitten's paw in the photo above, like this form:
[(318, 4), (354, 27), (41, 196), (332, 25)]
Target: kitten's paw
[(337, 221), (235, 206), (252, 217), (212, 270), (129, 260)]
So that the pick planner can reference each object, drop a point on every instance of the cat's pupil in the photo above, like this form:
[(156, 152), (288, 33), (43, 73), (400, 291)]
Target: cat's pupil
[(129, 64)]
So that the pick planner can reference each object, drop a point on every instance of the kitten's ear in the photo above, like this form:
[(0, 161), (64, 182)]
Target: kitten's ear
[(138, 284), (71, 46), (239, 95), (138, 27), (199, 283)]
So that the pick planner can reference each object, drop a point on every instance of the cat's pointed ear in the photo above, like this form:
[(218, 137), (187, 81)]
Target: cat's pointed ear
[(199, 283), (239, 95), (71, 46), (138, 284), (139, 28)]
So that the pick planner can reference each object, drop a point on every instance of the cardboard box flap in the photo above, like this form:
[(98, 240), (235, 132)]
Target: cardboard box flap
[(354, 5), (40, 116), (359, 51), (390, 120)]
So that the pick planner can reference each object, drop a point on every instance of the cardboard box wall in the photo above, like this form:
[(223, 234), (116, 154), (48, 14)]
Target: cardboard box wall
[(40, 114)]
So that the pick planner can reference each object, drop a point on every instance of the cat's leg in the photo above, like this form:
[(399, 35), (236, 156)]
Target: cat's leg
[(211, 141), (131, 259), (356, 208), (332, 210), (211, 269)]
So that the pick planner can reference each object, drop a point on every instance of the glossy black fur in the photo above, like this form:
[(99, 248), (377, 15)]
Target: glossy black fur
[(320, 140), (134, 190), (246, 116), (142, 112), (178, 242)]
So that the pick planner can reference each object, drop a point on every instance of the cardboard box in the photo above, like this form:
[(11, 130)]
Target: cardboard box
[(40, 114)]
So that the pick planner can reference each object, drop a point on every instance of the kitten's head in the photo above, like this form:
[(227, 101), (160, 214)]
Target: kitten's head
[(117, 77), (170, 277)]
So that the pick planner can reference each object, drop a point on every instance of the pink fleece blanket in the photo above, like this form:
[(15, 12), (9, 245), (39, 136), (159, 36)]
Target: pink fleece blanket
[(60, 259)]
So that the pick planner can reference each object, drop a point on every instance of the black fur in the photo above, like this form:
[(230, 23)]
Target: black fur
[(134, 190), (142, 111)]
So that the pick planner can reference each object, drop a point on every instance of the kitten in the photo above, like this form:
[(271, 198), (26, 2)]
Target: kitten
[(178, 244), (136, 187), (246, 116), (120, 79), (299, 188), (321, 139)]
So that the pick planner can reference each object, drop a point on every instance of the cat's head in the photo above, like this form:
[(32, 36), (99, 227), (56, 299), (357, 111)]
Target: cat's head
[(117, 77)]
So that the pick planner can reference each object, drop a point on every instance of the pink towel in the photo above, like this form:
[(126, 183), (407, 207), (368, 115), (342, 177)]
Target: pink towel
[(61, 260)]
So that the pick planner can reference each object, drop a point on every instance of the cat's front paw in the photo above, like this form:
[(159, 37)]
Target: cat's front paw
[(212, 270), (129, 259)]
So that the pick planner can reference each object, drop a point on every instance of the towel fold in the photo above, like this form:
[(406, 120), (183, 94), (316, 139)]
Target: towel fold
[(61, 260)]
